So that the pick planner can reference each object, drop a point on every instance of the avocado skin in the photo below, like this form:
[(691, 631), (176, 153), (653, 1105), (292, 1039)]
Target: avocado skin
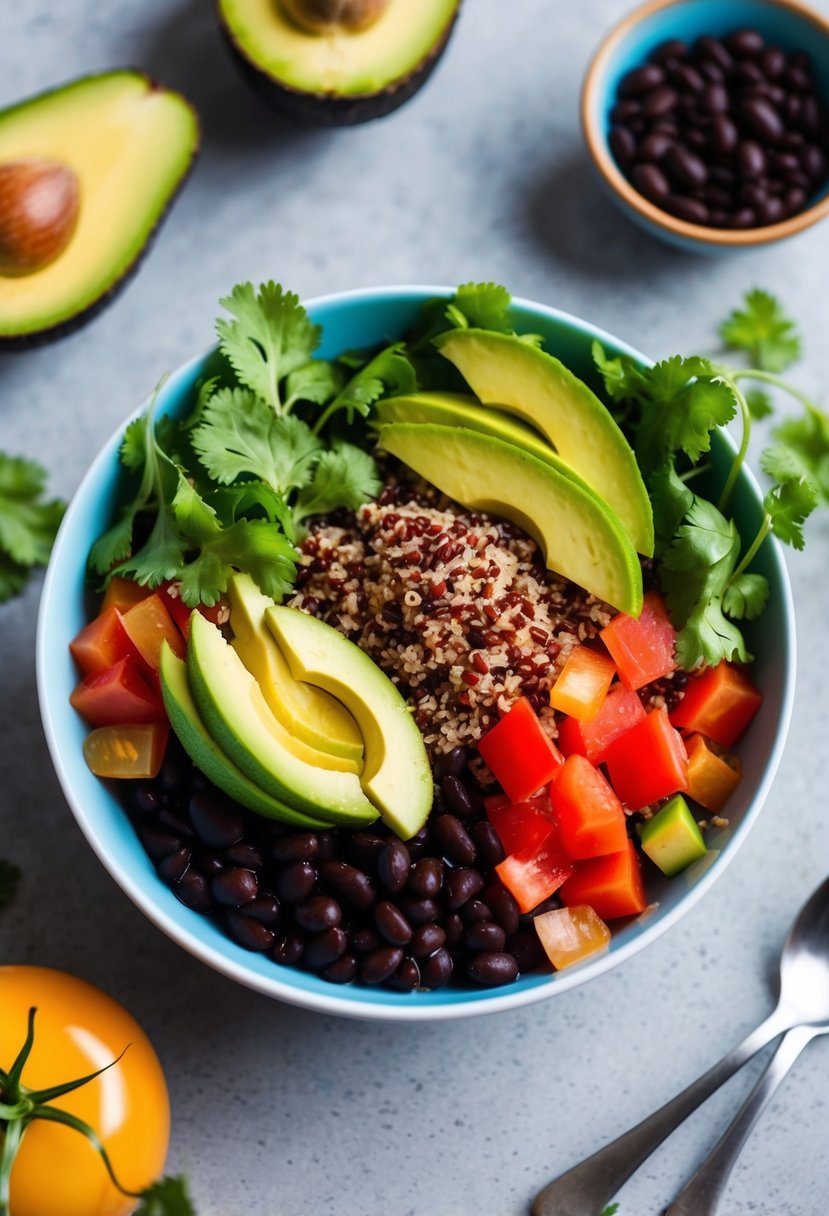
[(13, 343), (330, 109)]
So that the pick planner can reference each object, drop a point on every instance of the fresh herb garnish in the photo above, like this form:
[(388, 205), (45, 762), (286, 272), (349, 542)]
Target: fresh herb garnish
[(762, 330), (28, 522), (9, 880), (169, 1197), (610, 1210)]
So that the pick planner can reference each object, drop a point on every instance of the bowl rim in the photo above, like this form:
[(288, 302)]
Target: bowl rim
[(591, 111), (283, 989)]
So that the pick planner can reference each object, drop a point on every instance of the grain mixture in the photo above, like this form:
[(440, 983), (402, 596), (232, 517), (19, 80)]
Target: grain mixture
[(457, 608)]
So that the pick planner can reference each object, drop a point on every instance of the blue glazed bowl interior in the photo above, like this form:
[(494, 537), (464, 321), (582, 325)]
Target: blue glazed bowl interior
[(362, 319)]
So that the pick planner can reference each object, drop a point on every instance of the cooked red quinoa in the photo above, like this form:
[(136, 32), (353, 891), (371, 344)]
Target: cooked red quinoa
[(457, 608)]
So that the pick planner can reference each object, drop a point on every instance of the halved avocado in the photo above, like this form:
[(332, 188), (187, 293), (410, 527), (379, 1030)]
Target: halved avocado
[(340, 76), (129, 143)]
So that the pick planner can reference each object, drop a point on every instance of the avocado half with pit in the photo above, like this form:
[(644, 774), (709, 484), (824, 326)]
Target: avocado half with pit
[(87, 173), (337, 62)]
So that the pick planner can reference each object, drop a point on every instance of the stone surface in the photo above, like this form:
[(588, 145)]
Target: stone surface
[(483, 175)]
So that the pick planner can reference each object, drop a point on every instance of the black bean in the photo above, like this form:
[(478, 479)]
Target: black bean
[(418, 911), (751, 159), (672, 49), (749, 75), (503, 907), (158, 844), (492, 967), (363, 941), (526, 949), (784, 164), (174, 771), (795, 200), (686, 77), (761, 117), (426, 939), (426, 877), (455, 842), (653, 147), (171, 822), (208, 862), (641, 80), (173, 868), (362, 849), (391, 924), (142, 798), (622, 112), (295, 882), (791, 108), (245, 854), (722, 176), (772, 62), (714, 99), (661, 101), (486, 935), (697, 140), (215, 824), (717, 217), (342, 971), (453, 763), (406, 978), (813, 162), (193, 890), (298, 846), (251, 934), (234, 887), (718, 199), (742, 218), (265, 908), (436, 970), (474, 911), (378, 966), (454, 928), (488, 843), (652, 182), (809, 115), (711, 50), (712, 71), (685, 168), (724, 136), (393, 866), (318, 913), (754, 193), (745, 43), (418, 843), (664, 126), (461, 885), (797, 79), (692, 210), (771, 211), (326, 948), (327, 847), (793, 141), (352, 884), (456, 796), (288, 948)]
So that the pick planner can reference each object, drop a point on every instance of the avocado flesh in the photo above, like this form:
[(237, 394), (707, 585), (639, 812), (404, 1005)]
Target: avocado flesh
[(236, 714), (338, 64), (308, 713), (206, 754), (397, 775), (130, 143), (460, 409), (672, 838), (580, 536), (504, 371)]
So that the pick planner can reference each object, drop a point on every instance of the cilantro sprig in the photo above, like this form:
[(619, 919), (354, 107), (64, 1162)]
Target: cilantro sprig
[(28, 522)]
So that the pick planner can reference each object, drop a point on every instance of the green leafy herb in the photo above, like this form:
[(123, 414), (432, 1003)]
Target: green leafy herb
[(344, 476), (610, 1210), (240, 434), (746, 595), (390, 371), (759, 403), (802, 450), (28, 522), (271, 337), (9, 881), (763, 331), (169, 1197)]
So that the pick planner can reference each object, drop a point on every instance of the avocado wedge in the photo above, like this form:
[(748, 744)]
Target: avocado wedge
[(337, 72), (127, 143), (504, 371), (580, 535)]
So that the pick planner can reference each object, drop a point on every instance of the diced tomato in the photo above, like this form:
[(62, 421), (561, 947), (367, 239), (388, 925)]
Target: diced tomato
[(620, 711), (122, 593), (519, 753), (147, 625), (532, 878), (588, 813), (719, 703), (570, 935), (521, 826), (712, 778), (644, 647), (649, 762), (126, 751), (612, 886), (168, 593), (118, 695), (101, 643), (583, 683)]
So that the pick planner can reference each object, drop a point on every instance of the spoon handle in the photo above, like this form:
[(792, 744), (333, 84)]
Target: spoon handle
[(702, 1194), (587, 1188)]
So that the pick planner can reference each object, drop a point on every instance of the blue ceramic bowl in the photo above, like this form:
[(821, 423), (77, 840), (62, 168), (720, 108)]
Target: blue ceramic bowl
[(353, 320), (785, 23)]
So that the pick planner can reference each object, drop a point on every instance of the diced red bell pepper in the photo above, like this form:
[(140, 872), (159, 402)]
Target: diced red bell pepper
[(612, 886), (118, 695), (719, 703), (122, 593), (620, 711), (147, 625), (583, 683), (521, 826), (178, 610), (532, 878), (589, 815), (712, 778), (644, 647), (101, 643), (519, 753), (126, 751), (649, 762)]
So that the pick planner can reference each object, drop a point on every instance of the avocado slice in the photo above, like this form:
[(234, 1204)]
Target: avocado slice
[(672, 838), (397, 775), (231, 705), (130, 143), (340, 76), (308, 713), (206, 754), (579, 534), (516, 376)]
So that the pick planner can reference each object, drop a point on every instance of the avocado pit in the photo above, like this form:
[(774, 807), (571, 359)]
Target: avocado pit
[(335, 16), (39, 205)]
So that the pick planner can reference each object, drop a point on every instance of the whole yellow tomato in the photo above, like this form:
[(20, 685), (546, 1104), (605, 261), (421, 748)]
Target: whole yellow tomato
[(79, 1029)]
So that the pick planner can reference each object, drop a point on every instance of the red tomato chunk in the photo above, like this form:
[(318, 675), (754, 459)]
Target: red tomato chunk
[(521, 826), (534, 878), (612, 886), (644, 647), (518, 752), (648, 763), (118, 695), (589, 815), (620, 711), (720, 703), (147, 625), (101, 643)]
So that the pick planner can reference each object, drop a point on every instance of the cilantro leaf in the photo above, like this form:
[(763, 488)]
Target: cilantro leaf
[(13, 577), (316, 382), (788, 505), (271, 337), (390, 371), (345, 476), (252, 545), (169, 1197), (484, 306), (10, 875), (241, 435), (759, 404), (763, 331), (610, 1210), (802, 451), (244, 500), (681, 402), (671, 500), (622, 378), (28, 523), (746, 596)]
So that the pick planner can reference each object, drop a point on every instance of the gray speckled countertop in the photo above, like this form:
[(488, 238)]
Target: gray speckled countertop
[(481, 176)]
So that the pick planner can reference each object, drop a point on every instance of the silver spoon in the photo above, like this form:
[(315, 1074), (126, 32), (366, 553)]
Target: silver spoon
[(804, 1002)]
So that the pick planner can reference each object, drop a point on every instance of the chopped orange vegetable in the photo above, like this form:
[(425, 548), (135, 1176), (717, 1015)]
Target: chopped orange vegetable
[(101, 643), (582, 685), (534, 875), (126, 751), (569, 935), (611, 885), (720, 703), (644, 647), (147, 625), (589, 815), (122, 593), (712, 776)]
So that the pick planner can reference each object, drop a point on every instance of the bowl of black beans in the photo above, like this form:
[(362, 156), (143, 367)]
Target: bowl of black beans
[(708, 120)]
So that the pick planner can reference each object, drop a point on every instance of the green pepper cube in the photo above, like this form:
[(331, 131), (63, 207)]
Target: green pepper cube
[(671, 838)]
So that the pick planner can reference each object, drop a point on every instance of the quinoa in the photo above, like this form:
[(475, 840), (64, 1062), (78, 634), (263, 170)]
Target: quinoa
[(456, 607)]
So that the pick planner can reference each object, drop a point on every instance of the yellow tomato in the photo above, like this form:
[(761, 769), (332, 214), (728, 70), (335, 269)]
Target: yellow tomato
[(79, 1029)]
